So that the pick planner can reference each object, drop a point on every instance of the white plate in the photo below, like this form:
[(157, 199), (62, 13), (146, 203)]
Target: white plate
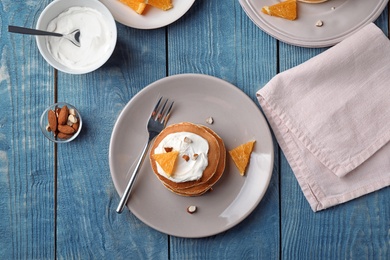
[(341, 18), (152, 18), (237, 120)]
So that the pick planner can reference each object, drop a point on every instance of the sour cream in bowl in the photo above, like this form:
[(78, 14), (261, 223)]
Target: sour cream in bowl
[(98, 35)]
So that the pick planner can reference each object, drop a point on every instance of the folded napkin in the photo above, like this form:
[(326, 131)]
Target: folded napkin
[(331, 118)]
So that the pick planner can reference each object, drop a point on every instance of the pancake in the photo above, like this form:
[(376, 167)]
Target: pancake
[(213, 155), (200, 189), (192, 193)]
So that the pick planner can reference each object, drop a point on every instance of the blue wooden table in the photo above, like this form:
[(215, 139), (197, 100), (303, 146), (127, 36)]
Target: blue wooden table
[(58, 201)]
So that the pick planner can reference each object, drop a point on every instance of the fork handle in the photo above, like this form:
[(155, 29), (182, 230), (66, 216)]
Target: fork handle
[(127, 192)]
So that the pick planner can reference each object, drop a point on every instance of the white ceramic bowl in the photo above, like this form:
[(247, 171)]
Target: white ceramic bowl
[(57, 7)]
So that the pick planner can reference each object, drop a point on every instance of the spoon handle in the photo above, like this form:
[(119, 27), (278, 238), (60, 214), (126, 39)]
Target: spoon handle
[(23, 30)]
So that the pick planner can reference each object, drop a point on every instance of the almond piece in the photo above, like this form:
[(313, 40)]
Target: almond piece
[(65, 129), (210, 120), (58, 109), (187, 140), (75, 126), (63, 115), (51, 116), (168, 149), (191, 209), (72, 111), (72, 118), (186, 157)]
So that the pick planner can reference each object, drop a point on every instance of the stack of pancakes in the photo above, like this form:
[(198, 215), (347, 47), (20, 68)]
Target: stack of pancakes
[(216, 160)]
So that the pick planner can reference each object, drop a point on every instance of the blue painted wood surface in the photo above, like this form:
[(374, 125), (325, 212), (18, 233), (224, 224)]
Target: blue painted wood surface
[(59, 201)]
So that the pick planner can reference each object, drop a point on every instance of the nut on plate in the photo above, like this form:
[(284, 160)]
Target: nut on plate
[(210, 120), (319, 23), (192, 209)]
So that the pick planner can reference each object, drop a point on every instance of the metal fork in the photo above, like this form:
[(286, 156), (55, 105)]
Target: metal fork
[(157, 121)]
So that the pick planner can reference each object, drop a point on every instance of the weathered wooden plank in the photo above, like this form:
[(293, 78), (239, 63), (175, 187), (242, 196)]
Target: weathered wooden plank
[(212, 38), (358, 229), (26, 157), (220, 40), (88, 226)]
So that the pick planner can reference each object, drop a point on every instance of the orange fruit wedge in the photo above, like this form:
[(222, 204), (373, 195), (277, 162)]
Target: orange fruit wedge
[(286, 10), (241, 156), (161, 4), (166, 161), (135, 5)]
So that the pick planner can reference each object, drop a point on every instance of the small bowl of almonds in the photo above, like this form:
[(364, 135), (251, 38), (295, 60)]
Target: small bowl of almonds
[(61, 122)]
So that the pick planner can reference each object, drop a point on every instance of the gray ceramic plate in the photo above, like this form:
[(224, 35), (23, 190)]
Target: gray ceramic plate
[(341, 18), (152, 18), (237, 120)]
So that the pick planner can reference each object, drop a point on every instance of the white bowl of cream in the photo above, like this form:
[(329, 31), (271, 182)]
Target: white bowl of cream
[(97, 38)]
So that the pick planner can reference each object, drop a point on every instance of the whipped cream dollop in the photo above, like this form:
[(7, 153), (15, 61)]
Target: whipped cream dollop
[(192, 145), (95, 37)]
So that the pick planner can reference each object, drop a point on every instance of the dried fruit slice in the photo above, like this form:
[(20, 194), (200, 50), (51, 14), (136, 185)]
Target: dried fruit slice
[(241, 156), (166, 161), (137, 6), (161, 4), (286, 9)]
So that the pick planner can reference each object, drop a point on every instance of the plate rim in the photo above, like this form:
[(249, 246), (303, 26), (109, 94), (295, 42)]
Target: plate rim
[(315, 43), (232, 87), (110, 4)]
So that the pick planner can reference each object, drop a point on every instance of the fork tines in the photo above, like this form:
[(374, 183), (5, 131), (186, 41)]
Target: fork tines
[(160, 113)]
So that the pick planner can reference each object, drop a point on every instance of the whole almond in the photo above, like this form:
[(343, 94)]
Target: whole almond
[(65, 129), (64, 136), (51, 116), (63, 115)]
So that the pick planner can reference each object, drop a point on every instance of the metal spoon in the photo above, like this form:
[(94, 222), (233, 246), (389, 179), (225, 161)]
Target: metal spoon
[(74, 36)]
